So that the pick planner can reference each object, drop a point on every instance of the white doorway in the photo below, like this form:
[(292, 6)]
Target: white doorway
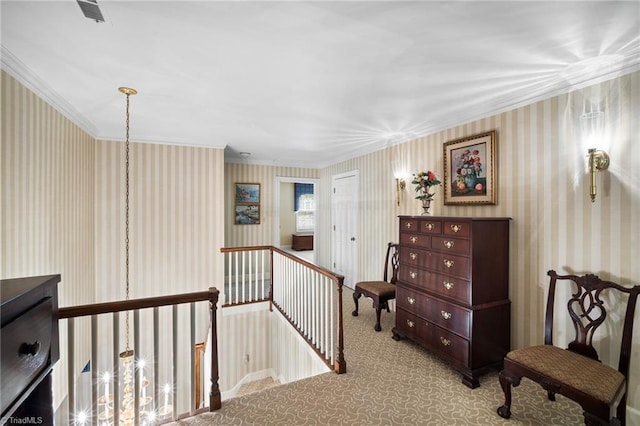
[(344, 226), (286, 218)]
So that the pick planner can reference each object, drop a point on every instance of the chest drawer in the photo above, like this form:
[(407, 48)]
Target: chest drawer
[(26, 342), (450, 317), (430, 227), (448, 344), (448, 286), (446, 315), (415, 240), (457, 228), (451, 245), (440, 262)]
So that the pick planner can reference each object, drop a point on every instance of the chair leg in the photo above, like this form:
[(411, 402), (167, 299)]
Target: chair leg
[(551, 396), (591, 420), (356, 296), (505, 382), (377, 326)]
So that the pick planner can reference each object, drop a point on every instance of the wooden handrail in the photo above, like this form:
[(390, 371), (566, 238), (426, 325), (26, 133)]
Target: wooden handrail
[(306, 263), (130, 305), (211, 295)]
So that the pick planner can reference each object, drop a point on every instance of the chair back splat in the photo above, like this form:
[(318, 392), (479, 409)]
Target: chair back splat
[(380, 292), (577, 372)]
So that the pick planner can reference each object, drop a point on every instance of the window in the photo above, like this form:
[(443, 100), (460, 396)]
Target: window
[(305, 215)]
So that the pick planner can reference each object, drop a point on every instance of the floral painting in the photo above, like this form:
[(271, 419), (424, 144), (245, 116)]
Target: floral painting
[(470, 170)]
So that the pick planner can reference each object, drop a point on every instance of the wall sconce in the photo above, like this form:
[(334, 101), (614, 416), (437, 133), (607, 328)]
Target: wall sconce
[(598, 161), (400, 186), (592, 131)]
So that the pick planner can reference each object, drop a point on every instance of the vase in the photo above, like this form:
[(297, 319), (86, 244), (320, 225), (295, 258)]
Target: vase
[(470, 180), (426, 204), (426, 199)]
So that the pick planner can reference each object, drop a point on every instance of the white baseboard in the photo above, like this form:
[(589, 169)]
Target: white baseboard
[(633, 416), (251, 377)]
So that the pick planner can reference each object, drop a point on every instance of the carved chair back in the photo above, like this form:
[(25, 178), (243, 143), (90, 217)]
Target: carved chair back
[(587, 311), (392, 259)]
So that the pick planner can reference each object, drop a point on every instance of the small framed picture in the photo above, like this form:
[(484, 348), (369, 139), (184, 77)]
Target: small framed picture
[(247, 214), (247, 193), (470, 170)]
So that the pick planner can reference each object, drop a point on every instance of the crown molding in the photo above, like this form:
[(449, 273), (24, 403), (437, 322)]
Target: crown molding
[(18, 70)]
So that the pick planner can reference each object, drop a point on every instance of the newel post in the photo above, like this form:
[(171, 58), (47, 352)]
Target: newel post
[(215, 399), (340, 366)]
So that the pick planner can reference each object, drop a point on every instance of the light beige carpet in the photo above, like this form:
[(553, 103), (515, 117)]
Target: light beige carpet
[(389, 383)]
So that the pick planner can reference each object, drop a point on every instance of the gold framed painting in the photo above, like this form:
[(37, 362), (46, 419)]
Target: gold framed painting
[(247, 193), (247, 214), (470, 170)]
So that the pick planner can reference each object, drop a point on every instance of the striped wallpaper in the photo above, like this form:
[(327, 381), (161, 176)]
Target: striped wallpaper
[(47, 202), (175, 219), (61, 210)]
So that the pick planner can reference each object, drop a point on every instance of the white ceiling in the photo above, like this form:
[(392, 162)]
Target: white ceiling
[(309, 83)]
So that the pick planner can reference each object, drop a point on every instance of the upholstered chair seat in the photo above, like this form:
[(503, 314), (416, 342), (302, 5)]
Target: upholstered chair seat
[(380, 292), (569, 369)]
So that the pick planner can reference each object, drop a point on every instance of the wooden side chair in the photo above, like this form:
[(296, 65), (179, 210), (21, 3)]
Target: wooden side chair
[(576, 372), (380, 291)]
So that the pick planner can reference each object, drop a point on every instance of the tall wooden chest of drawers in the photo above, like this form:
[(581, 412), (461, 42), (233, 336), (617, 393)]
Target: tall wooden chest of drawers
[(29, 346), (452, 293)]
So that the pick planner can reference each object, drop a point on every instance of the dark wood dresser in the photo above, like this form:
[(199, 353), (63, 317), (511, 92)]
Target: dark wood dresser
[(452, 294), (302, 242), (29, 348)]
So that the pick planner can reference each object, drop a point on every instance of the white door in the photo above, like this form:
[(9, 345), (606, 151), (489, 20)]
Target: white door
[(344, 206)]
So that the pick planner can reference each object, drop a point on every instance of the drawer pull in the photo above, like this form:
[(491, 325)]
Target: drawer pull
[(413, 239), (445, 342), (411, 300), (411, 324), (456, 228), (408, 225), (429, 226), (448, 263), (447, 285), (413, 256), (413, 275), (448, 244), (446, 315), (30, 349)]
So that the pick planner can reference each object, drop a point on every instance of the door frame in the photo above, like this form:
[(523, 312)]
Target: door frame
[(276, 204)]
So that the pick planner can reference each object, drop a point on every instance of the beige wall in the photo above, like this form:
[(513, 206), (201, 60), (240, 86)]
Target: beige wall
[(176, 208), (287, 215)]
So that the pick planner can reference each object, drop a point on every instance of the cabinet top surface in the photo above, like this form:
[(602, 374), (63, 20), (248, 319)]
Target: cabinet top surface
[(454, 218), (13, 288)]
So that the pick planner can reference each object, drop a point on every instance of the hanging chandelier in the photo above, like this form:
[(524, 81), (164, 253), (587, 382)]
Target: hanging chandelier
[(125, 415)]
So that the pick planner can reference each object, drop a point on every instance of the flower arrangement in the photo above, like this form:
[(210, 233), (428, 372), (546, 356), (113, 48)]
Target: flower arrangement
[(423, 181), (468, 168)]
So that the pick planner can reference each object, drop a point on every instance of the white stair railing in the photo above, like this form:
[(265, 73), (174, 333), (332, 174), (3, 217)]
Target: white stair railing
[(309, 296)]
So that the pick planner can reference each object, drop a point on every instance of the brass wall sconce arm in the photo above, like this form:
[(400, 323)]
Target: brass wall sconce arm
[(400, 186), (598, 161)]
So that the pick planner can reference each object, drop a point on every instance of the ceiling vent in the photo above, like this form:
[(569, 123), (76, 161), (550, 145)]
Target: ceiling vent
[(91, 10)]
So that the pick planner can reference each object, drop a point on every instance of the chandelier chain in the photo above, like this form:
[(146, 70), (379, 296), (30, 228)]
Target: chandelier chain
[(127, 224)]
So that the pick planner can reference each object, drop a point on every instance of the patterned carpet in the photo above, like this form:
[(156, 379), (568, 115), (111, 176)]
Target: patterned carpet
[(389, 383)]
